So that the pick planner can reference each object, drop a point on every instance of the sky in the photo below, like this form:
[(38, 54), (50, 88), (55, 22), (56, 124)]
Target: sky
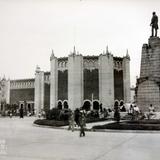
[(30, 29)]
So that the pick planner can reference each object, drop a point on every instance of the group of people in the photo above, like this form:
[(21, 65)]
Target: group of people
[(77, 118), (19, 112), (11, 113), (136, 113)]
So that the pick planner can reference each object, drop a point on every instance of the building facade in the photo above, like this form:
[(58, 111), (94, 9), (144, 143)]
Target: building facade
[(73, 82), (17, 93), (84, 81)]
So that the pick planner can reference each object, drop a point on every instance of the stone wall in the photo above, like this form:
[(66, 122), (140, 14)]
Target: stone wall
[(17, 95), (148, 93), (75, 80), (39, 90), (150, 61), (106, 79), (21, 90)]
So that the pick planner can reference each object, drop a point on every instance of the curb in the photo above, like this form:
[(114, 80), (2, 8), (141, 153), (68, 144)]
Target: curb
[(125, 131), (102, 130), (53, 127), (43, 126)]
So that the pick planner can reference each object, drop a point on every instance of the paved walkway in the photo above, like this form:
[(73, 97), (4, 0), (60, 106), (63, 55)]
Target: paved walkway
[(20, 140), (90, 125)]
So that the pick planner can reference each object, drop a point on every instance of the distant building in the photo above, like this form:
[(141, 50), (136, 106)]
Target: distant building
[(22, 93), (74, 81)]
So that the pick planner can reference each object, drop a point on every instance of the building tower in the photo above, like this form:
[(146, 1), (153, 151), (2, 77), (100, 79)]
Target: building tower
[(53, 81), (39, 90), (106, 79), (75, 80)]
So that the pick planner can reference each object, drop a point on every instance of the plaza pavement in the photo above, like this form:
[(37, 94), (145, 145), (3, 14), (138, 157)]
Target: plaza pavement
[(21, 140)]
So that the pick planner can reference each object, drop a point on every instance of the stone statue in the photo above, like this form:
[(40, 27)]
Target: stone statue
[(154, 24)]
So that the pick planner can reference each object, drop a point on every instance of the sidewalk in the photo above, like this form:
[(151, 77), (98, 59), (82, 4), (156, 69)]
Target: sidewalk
[(90, 125), (22, 141)]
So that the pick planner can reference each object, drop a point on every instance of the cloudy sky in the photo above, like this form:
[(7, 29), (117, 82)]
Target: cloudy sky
[(30, 29)]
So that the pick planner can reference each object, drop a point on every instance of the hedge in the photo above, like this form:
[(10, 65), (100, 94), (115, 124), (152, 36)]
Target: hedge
[(50, 122), (132, 125), (58, 123)]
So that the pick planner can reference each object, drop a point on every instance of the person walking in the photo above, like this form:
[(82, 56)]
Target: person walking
[(76, 116), (21, 112), (71, 121), (116, 113), (82, 124)]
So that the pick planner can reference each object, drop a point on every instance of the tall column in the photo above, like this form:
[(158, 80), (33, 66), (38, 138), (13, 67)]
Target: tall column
[(106, 80), (39, 90), (53, 81), (7, 92), (75, 80), (126, 78)]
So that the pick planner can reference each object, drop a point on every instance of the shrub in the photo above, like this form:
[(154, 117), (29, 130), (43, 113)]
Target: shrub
[(131, 125), (90, 120), (92, 114), (65, 114), (53, 114), (58, 114), (46, 122)]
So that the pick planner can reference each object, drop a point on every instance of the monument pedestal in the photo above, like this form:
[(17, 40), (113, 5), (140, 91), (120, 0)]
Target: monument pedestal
[(148, 85)]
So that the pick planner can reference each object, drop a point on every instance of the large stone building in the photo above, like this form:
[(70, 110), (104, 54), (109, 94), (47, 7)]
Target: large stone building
[(88, 81), (148, 85), (74, 81)]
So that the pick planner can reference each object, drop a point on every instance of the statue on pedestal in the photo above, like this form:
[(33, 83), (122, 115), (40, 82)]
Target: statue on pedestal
[(154, 24)]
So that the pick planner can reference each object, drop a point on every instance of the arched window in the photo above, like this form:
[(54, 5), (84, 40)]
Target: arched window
[(65, 104), (87, 105), (121, 103), (96, 105), (59, 105), (116, 103)]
